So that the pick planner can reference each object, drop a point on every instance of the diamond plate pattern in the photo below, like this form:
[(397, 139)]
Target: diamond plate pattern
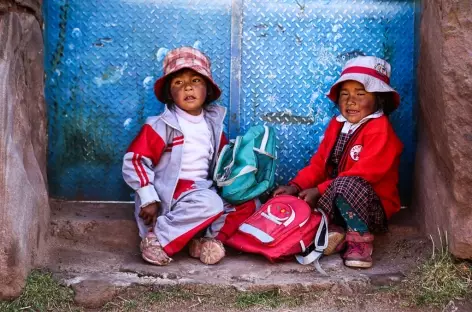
[(102, 58), (294, 50)]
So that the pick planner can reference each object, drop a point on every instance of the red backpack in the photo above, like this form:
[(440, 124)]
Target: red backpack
[(285, 226)]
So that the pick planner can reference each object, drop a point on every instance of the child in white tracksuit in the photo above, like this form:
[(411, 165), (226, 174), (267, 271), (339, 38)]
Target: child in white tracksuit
[(170, 163)]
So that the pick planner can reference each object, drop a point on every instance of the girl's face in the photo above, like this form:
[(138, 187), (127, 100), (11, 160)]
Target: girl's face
[(188, 90), (355, 102)]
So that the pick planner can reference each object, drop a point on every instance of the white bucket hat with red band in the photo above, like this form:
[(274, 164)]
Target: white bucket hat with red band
[(186, 57), (371, 71)]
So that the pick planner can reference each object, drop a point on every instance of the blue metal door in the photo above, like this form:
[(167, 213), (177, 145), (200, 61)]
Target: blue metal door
[(273, 60)]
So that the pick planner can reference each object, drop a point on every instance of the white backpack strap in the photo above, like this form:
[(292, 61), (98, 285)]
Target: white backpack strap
[(216, 176), (222, 182), (220, 178), (312, 257), (265, 139), (315, 255)]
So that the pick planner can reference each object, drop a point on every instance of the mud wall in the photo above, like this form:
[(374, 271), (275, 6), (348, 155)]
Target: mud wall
[(443, 174), (24, 208)]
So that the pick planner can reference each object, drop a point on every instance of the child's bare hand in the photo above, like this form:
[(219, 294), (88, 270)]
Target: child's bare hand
[(286, 190), (311, 196), (149, 213)]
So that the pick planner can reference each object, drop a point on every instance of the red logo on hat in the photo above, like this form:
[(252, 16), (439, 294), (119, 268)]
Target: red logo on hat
[(381, 69)]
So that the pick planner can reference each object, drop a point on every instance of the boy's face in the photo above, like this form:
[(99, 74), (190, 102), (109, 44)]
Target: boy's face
[(188, 90), (355, 102)]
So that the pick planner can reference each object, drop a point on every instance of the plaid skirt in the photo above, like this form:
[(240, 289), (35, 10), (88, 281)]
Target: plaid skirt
[(360, 195)]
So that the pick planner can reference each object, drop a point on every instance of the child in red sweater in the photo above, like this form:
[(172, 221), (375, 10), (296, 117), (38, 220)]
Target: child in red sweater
[(354, 174)]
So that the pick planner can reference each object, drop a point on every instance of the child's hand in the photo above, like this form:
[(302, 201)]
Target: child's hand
[(149, 213), (311, 196), (286, 190)]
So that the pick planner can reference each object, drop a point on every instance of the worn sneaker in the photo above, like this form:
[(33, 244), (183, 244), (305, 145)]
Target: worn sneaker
[(212, 251), (336, 235), (195, 247), (359, 250), (152, 252)]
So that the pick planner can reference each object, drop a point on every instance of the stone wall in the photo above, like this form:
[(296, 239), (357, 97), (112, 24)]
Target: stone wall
[(24, 208), (443, 175)]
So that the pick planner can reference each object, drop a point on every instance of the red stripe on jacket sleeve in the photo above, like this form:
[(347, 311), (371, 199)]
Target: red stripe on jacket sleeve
[(137, 169), (146, 178), (148, 144)]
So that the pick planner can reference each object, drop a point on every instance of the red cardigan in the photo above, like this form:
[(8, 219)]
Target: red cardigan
[(373, 153)]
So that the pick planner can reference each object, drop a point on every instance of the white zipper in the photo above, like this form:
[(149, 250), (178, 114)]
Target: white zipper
[(180, 165), (218, 141)]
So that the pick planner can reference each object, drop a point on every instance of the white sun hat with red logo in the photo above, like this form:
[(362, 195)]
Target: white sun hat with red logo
[(186, 57), (371, 71)]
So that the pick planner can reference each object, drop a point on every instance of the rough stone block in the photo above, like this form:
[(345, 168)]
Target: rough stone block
[(25, 6), (34, 5), (24, 209), (444, 163), (94, 293)]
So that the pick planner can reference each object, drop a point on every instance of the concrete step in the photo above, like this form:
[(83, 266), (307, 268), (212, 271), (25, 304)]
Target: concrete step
[(242, 271), (93, 225), (94, 243), (112, 226)]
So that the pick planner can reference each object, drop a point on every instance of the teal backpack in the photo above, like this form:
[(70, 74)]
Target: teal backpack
[(246, 166)]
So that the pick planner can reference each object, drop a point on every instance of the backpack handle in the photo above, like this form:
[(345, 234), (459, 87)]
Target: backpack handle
[(262, 148), (222, 179), (315, 255)]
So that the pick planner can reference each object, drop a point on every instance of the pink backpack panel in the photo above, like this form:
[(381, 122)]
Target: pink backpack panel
[(283, 227)]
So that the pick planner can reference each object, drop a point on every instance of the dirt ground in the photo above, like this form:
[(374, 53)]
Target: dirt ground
[(380, 300)]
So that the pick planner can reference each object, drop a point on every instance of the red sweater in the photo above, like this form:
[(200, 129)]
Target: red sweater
[(372, 153)]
